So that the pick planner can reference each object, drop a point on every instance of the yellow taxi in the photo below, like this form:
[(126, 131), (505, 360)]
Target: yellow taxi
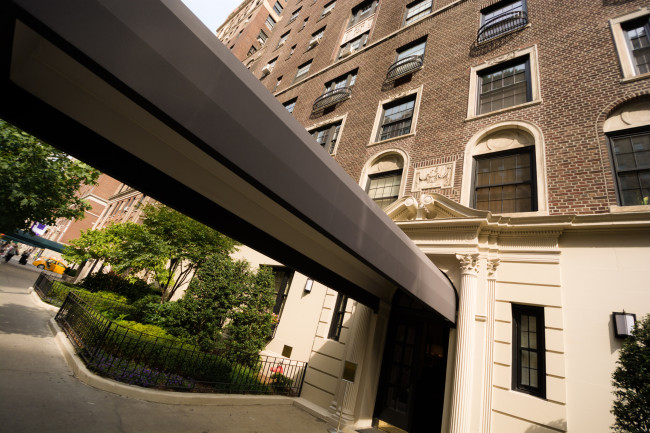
[(50, 264)]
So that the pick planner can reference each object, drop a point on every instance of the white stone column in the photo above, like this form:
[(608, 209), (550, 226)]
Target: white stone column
[(461, 408), (489, 344), (355, 350)]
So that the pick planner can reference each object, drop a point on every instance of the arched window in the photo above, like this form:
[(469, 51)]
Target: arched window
[(384, 178), (503, 171)]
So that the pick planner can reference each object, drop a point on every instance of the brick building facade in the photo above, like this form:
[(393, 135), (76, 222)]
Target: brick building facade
[(510, 140)]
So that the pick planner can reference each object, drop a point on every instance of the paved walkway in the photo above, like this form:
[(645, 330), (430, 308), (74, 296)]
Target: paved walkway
[(39, 394)]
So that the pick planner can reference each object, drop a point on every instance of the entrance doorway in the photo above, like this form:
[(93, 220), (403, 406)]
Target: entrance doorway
[(412, 381)]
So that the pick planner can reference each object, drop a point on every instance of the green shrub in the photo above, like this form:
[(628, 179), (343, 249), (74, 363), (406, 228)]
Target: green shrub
[(112, 282), (281, 383)]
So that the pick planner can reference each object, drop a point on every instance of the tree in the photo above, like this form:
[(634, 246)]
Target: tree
[(168, 245), (37, 182), (632, 382)]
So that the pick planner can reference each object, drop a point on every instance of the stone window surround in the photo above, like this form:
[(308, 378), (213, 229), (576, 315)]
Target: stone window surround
[(342, 118), (620, 43), (363, 180), (380, 111), (540, 163), (536, 96)]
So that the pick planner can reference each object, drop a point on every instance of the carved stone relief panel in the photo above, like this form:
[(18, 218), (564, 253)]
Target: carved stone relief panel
[(434, 176)]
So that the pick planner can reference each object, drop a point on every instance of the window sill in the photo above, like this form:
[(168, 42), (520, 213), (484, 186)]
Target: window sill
[(626, 209), (504, 110), (388, 140), (635, 78)]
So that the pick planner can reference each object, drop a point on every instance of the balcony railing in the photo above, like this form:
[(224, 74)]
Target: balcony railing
[(404, 66), (331, 97), (501, 24)]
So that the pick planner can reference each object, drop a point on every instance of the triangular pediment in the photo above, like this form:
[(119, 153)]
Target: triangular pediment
[(430, 207)]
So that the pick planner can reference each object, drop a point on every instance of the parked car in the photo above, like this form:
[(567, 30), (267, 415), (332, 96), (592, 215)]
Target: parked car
[(50, 264)]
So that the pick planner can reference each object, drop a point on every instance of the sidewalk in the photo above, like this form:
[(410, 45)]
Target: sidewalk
[(39, 392)]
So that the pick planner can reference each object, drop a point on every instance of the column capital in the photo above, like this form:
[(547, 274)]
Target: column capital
[(492, 265), (468, 263)]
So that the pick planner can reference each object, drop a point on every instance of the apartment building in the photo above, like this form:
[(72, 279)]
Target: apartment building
[(510, 140)]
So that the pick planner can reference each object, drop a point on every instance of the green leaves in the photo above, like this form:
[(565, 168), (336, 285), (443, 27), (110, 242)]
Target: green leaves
[(38, 182), (632, 382)]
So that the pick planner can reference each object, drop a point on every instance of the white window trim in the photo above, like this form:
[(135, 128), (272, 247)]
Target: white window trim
[(329, 122), (380, 111), (536, 95), (622, 49), (540, 164), (363, 180)]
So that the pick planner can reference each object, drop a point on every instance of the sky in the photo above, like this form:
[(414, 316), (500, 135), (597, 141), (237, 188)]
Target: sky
[(212, 12)]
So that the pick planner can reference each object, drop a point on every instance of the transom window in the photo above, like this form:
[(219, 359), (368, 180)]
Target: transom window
[(637, 35), (417, 10), (383, 188), (631, 154), (397, 118), (502, 18), (504, 86), (504, 181), (528, 358), (327, 135), (362, 11)]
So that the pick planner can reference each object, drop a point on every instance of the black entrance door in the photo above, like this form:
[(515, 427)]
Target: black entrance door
[(412, 382)]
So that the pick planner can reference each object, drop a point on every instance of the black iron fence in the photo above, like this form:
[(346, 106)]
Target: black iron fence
[(331, 97), (404, 66), (136, 358), (502, 24)]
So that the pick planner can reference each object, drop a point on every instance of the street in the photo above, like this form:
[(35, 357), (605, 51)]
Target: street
[(39, 394)]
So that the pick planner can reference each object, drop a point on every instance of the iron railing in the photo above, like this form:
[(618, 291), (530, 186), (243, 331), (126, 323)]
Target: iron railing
[(501, 24), (404, 66), (136, 358), (331, 97)]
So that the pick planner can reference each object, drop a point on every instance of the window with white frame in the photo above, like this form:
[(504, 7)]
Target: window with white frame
[(417, 10), (283, 39), (502, 18), (266, 70), (385, 177), (252, 50), (631, 34), (262, 37), (346, 80), (327, 135), (353, 45), (396, 118), (270, 22), (304, 23), (277, 7), (290, 104), (294, 15), (302, 71), (529, 353), (631, 158), (362, 11), (329, 7), (316, 38), (277, 83)]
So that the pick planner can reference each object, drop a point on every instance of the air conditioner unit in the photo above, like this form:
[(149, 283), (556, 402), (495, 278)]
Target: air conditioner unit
[(314, 42), (281, 42), (266, 70), (346, 53)]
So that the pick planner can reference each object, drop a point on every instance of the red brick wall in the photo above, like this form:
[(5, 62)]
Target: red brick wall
[(580, 80)]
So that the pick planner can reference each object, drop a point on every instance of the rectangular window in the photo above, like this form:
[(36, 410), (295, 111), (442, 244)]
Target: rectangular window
[(415, 49), (504, 86), (631, 154), (362, 11), (266, 70), (637, 36), (316, 38), (277, 7), (261, 38), (293, 48), (277, 83), (251, 51), (304, 23), (502, 18), (383, 188), (302, 71), (290, 104), (397, 118), (329, 7), (528, 352), (353, 45), (337, 317), (294, 15), (327, 136), (283, 39), (503, 182), (346, 80), (283, 277), (417, 10), (270, 22)]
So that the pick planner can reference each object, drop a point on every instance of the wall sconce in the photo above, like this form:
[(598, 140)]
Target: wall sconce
[(308, 285), (623, 324)]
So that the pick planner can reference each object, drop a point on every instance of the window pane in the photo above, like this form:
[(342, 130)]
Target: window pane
[(503, 88)]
